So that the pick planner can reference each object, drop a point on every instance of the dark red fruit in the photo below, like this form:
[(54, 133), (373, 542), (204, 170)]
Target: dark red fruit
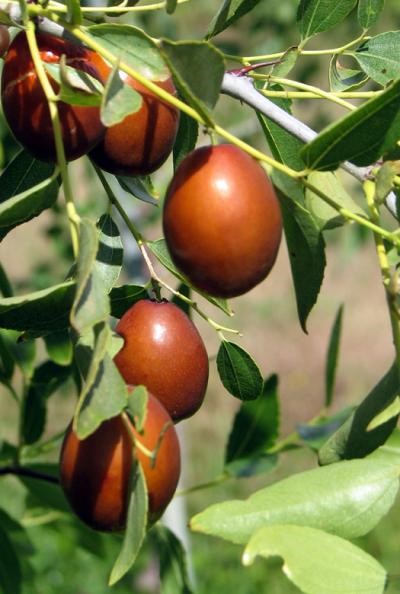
[(25, 105), (95, 472), (4, 39), (164, 351), (222, 220), (143, 140)]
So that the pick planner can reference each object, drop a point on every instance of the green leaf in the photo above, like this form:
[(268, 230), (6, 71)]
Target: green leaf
[(6, 358), (239, 373), (325, 215), (22, 352), (174, 576), (109, 255), (306, 246), (377, 56), (122, 298), (347, 499), (5, 286), (45, 493), (369, 11), (183, 289), (76, 87), (10, 568), (344, 79), (137, 187), (252, 465), (316, 16), (317, 562), (47, 378), (133, 47), (186, 138), (23, 173), (285, 147), (160, 250), (315, 434), (256, 425), (352, 439), (27, 205), (41, 311), (171, 6), (59, 347), (393, 410), (91, 304), (229, 12), (137, 406), (104, 393), (74, 13), (362, 136), (332, 356), (119, 100), (198, 69), (135, 527)]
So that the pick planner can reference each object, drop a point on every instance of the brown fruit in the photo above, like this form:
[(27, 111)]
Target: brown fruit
[(4, 39), (25, 105), (222, 220), (95, 472), (163, 350), (143, 140)]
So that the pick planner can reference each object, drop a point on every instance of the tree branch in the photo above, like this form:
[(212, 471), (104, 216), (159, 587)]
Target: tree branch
[(29, 473), (242, 88)]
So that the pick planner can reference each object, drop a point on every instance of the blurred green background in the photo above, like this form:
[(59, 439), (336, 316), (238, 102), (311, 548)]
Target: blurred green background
[(67, 558)]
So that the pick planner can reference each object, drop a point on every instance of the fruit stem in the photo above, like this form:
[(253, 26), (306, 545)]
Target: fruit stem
[(351, 216), (310, 88), (184, 298), (135, 442), (390, 281), (115, 202), (52, 99)]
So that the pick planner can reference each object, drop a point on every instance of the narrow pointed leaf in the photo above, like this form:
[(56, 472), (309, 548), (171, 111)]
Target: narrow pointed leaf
[(256, 425), (174, 575), (352, 439), (91, 303), (122, 298), (135, 527), (344, 79), (10, 568), (110, 252), (332, 356), (229, 12), (119, 100), (363, 136)]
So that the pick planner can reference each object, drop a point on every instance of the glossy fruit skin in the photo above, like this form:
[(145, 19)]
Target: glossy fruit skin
[(95, 472), (222, 220), (143, 140), (4, 39), (163, 350), (25, 106)]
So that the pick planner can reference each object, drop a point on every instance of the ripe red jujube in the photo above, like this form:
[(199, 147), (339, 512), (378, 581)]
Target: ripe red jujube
[(163, 350), (95, 472), (25, 105), (143, 140), (222, 220)]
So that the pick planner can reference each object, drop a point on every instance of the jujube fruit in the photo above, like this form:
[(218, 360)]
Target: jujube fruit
[(163, 350), (25, 105), (95, 472), (143, 140), (222, 220), (4, 39)]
